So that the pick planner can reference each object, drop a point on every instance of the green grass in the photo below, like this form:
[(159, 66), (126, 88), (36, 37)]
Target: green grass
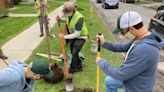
[(24, 9), (3, 12), (10, 27), (30, 9), (86, 78)]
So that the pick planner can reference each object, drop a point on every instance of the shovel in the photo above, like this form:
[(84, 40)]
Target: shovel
[(43, 14), (98, 68), (63, 49), (48, 46), (69, 87)]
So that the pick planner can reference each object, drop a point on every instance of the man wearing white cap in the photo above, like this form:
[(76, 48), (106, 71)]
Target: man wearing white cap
[(138, 72)]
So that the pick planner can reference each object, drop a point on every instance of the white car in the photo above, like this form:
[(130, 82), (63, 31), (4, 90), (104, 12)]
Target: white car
[(110, 4)]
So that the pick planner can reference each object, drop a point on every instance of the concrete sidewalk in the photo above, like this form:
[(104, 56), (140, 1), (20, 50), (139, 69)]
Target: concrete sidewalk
[(22, 15), (22, 46)]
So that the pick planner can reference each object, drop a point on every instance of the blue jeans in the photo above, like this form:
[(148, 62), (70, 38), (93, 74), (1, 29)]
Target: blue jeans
[(112, 84)]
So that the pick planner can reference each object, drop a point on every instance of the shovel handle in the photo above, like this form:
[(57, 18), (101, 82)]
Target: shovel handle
[(98, 68), (63, 50), (99, 44)]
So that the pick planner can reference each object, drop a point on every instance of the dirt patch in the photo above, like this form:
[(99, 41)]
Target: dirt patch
[(80, 90), (58, 74)]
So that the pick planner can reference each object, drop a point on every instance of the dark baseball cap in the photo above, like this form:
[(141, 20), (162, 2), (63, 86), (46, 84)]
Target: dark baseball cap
[(117, 29), (42, 67)]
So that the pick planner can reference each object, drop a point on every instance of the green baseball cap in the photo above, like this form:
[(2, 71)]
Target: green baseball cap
[(117, 29), (126, 20), (42, 67)]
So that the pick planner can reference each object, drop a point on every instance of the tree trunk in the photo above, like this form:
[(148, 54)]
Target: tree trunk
[(5, 3), (11, 3)]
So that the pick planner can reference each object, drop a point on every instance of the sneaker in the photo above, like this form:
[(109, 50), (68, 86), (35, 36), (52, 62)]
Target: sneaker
[(41, 35)]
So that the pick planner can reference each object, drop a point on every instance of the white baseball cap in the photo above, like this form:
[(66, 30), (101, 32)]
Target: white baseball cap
[(126, 20)]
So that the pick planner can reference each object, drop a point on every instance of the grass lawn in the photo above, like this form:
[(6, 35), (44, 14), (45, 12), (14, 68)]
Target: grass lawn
[(29, 8), (86, 78), (10, 27)]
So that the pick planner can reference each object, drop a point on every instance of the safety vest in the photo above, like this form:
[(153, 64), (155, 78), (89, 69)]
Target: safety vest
[(39, 10), (73, 22)]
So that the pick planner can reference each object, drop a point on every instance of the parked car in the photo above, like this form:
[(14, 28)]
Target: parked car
[(110, 4), (98, 1), (157, 23)]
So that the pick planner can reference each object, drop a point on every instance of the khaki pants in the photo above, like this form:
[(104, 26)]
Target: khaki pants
[(43, 20)]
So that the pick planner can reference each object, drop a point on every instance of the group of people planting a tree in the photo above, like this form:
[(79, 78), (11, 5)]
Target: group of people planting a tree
[(136, 74)]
